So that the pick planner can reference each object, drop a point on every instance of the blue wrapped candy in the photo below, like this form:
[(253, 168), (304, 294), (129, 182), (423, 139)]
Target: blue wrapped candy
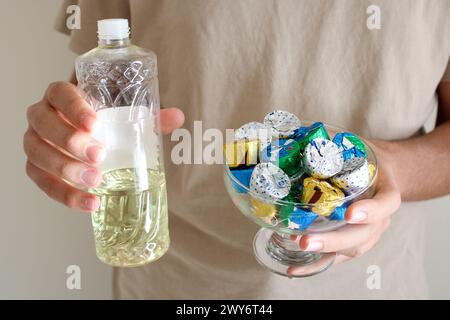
[(243, 176), (339, 213), (300, 219), (293, 217), (350, 145)]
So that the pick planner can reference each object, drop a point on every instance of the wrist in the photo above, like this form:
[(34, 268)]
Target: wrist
[(389, 161)]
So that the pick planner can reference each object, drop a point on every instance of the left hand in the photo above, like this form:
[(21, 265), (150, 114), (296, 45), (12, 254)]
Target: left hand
[(366, 219)]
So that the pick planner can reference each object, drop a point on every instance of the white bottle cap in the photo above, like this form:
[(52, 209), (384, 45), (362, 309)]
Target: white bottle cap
[(110, 29)]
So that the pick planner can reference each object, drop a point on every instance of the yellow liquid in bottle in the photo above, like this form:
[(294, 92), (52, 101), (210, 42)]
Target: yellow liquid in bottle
[(131, 225)]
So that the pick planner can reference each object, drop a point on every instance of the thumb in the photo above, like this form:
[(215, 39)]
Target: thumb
[(171, 119)]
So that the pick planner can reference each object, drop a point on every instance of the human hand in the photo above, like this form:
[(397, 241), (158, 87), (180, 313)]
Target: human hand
[(61, 154), (366, 219)]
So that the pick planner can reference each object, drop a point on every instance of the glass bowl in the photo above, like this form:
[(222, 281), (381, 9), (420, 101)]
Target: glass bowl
[(276, 244)]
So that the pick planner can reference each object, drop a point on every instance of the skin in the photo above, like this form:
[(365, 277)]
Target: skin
[(62, 159), (403, 176), (61, 154)]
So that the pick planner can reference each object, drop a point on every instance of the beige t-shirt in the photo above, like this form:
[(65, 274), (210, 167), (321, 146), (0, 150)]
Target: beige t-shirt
[(230, 62)]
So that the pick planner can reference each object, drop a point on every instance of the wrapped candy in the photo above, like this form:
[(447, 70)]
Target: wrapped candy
[(300, 219), (242, 153), (254, 131), (305, 135), (300, 166), (242, 175), (322, 159), (262, 209), (269, 181), (294, 217), (350, 145), (339, 213), (354, 177), (323, 195), (372, 170), (285, 154), (282, 123)]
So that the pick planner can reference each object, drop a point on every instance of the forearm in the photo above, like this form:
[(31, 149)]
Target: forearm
[(421, 165)]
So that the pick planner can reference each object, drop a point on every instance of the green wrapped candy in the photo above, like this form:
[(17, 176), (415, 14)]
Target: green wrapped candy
[(293, 197), (305, 135), (285, 154), (351, 145), (295, 218)]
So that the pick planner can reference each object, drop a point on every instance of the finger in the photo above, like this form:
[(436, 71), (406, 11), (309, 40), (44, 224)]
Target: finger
[(49, 159), (340, 258), (50, 126), (325, 261), (346, 237), (66, 98), (62, 192), (171, 119), (356, 252), (385, 202)]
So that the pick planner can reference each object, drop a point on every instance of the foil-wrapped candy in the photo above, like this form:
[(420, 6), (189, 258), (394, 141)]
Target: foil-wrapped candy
[(242, 175), (263, 209), (305, 135), (322, 195), (350, 145), (322, 159), (242, 153), (285, 154), (269, 181), (283, 123), (255, 131), (354, 177)]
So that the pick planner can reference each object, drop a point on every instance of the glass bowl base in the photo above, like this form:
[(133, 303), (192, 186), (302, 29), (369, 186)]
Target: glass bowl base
[(282, 255)]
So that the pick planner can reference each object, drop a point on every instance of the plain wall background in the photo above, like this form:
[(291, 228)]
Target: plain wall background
[(39, 238)]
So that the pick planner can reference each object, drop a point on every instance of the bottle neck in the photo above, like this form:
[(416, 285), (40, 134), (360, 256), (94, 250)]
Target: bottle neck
[(113, 43)]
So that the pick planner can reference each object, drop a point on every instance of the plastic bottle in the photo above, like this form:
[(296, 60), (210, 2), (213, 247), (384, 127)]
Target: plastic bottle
[(120, 82)]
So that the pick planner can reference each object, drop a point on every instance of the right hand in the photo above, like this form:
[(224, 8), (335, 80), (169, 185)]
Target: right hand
[(61, 154)]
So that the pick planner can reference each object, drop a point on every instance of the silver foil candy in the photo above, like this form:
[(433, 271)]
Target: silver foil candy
[(322, 159), (269, 181)]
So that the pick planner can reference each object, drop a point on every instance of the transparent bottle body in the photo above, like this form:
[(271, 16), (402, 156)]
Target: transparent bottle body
[(120, 83)]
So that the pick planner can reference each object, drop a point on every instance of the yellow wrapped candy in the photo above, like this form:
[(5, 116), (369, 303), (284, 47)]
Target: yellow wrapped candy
[(372, 170), (263, 209), (241, 153), (320, 193)]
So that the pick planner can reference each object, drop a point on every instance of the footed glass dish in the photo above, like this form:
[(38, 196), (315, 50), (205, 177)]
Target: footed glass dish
[(276, 244)]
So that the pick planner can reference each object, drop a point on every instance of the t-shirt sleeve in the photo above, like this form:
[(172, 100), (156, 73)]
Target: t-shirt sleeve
[(85, 38)]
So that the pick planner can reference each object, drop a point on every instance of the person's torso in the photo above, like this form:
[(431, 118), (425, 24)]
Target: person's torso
[(227, 63)]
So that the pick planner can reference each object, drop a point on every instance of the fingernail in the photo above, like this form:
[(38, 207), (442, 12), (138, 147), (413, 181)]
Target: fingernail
[(90, 203), (90, 177), (314, 245), (88, 121), (358, 216), (95, 153)]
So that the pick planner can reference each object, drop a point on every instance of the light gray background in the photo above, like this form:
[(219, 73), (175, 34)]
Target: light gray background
[(39, 238)]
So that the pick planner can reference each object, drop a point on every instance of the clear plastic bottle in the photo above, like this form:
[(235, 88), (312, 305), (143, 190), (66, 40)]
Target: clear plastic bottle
[(120, 82)]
